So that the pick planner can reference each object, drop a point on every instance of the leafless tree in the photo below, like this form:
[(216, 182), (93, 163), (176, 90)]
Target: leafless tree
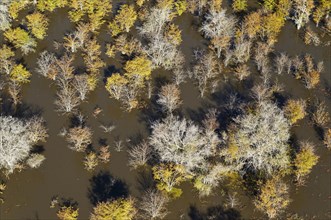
[(169, 98), (261, 57), (35, 160), (242, 71), (107, 128), (152, 205), (179, 76), (281, 62), (67, 98), (118, 146), (14, 91), (262, 138), (205, 71), (161, 52), (38, 131), (79, 138), (16, 141), (104, 154), (46, 64), (5, 18), (301, 12), (139, 155), (218, 24), (219, 27), (232, 201), (181, 141), (320, 114), (164, 54), (80, 83)]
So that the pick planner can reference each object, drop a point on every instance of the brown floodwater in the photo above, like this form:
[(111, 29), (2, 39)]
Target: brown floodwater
[(28, 193)]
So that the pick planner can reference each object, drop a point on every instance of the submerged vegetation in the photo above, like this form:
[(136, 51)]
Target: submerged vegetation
[(242, 142)]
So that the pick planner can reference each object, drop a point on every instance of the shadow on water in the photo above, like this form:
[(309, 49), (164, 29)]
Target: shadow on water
[(104, 187), (214, 212), (145, 179)]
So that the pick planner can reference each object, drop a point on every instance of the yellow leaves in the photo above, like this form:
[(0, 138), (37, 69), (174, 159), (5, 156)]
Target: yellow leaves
[(295, 110), (67, 213), (37, 23), (51, 5), (168, 176), (124, 20), (305, 160), (239, 5), (21, 39), (116, 79), (273, 197), (173, 34), (5, 53), (91, 161), (140, 68), (119, 209), (96, 10), (180, 6), (20, 74), (16, 6)]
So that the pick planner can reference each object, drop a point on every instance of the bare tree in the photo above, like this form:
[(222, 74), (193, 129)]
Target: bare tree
[(169, 98), (16, 141), (140, 155), (38, 131), (67, 99), (179, 76), (79, 138), (5, 18), (152, 205), (46, 64), (35, 160), (242, 71), (218, 24), (301, 11), (182, 142), (281, 62), (262, 139), (14, 91), (80, 83), (320, 114), (219, 27), (205, 71)]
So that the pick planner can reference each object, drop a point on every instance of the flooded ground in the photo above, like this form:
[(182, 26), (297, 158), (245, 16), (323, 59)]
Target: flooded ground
[(28, 193)]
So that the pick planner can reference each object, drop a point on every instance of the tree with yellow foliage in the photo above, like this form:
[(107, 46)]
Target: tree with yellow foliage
[(119, 209), (21, 40), (295, 110), (304, 160), (173, 34), (37, 23), (96, 11), (115, 85), (67, 213), (16, 6), (239, 5), (139, 69), (6, 59), (20, 74), (51, 5), (123, 21), (168, 176), (273, 197), (322, 10)]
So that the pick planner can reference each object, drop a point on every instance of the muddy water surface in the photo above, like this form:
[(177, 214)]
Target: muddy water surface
[(28, 193)]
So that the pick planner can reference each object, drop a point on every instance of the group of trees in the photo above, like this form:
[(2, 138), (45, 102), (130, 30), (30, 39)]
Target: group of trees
[(17, 138), (253, 147)]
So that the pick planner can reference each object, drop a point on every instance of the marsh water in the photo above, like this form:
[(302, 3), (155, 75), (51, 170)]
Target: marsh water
[(29, 192)]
